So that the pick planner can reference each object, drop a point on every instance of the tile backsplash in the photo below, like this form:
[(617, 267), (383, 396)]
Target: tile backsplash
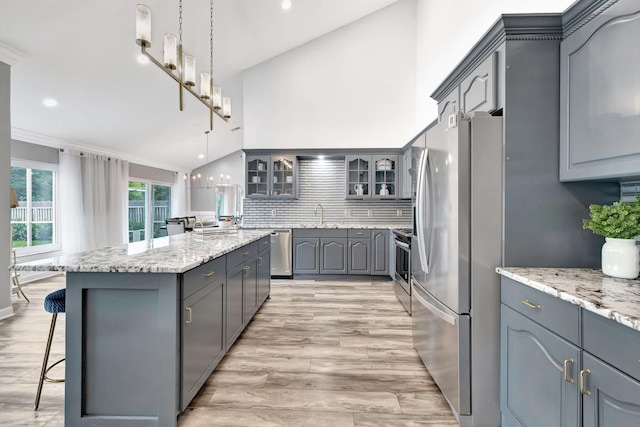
[(323, 181)]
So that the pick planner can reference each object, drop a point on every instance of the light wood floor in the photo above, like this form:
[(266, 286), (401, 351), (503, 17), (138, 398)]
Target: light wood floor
[(318, 353)]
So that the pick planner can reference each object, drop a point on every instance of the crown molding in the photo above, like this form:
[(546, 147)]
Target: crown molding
[(49, 141), (508, 27), (10, 55), (582, 13)]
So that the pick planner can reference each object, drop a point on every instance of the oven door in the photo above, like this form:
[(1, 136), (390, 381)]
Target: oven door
[(403, 253)]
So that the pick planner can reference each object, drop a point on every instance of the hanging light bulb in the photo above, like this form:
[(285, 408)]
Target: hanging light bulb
[(226, 107), (205, 85), (170, 51), (217, 97), (143, 25), (190, 70)]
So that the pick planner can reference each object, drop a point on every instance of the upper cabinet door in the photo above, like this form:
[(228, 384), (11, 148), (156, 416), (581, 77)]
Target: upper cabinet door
[(450, 105), (359, 170), (385, 177), (258, 176), (600, 94), (283, 177), (478, 92)]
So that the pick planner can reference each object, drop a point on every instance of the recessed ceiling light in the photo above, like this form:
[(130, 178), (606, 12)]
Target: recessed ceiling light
[(142, 59), (286, 4), (50, 102), (201, 156)]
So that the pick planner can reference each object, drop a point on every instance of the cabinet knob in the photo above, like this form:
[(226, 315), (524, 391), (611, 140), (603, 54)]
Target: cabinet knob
[(582, 389), (530, 305), (565, 370), (188, 309)]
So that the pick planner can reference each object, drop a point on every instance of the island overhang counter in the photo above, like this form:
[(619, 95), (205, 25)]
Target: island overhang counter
[(148, 322)]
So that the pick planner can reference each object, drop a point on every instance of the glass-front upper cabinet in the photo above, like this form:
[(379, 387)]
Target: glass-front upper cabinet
[(358, 173), (258, 176), (283, 176), (385, 183), (372, 176)]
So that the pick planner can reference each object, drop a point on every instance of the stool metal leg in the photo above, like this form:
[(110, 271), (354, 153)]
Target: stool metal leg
[(45, 361), (16, 280)]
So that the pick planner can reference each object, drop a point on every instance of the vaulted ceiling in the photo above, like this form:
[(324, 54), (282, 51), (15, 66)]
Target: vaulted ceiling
[(83, 54)]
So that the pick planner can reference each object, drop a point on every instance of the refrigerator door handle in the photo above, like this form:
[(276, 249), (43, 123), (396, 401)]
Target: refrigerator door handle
[(433, 306), (431, 210), (420, 211)]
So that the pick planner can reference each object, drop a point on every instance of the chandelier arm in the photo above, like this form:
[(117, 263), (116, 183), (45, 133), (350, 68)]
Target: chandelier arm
[(185, 87)]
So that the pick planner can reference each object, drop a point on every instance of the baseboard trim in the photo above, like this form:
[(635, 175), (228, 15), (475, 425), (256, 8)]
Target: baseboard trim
[(6, 312)]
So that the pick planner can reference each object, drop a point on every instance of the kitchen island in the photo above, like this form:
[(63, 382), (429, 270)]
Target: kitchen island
[(148, 322), (570, 343)]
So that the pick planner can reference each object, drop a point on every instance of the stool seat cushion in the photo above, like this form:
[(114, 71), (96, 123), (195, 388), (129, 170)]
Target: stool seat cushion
[(54, 302)]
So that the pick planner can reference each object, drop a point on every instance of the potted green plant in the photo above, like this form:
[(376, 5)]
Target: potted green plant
[(619, 223)]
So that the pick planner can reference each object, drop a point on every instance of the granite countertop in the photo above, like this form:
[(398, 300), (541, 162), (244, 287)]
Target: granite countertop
[(616, 299), (173, 254)]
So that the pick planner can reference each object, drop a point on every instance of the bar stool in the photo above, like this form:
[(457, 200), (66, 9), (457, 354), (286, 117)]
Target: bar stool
[(53, 303)]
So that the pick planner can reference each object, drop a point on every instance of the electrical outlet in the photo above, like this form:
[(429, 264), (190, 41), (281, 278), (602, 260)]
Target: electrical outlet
[(398, 212), (368, 212), (273, 212), (347, 212)]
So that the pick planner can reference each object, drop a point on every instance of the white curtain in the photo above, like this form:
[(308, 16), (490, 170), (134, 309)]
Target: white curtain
[(93, 201), (179, 195)]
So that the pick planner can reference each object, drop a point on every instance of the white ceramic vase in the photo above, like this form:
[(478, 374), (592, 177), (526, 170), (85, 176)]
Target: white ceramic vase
[(620, 258)]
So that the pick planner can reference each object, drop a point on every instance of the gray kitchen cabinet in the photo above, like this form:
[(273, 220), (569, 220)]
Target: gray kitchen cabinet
[(258, 173), (283, 177), (202, 336), (250, 290), (271, 176), (333, 255), (599, 77), (478, 91), (533, 390), (449, 105), (264, 276), (306, 255), (405, 174), (559, 369), (610, 398), (264, 269), (372, 176), (359, 256), (234, 320), (380, 252)]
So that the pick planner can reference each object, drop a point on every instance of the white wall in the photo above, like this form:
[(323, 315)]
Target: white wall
[(354, 87), (447, 30)]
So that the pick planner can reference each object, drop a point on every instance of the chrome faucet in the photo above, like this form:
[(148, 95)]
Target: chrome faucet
[(315, 212)]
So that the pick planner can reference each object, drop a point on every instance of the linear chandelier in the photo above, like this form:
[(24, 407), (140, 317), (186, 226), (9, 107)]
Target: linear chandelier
[(176, 59)]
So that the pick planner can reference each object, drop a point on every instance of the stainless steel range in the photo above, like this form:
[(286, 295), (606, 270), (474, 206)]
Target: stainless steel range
[(402, 286)]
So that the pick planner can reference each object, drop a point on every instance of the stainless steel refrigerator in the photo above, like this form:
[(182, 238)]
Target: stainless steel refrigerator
[(456, 247)]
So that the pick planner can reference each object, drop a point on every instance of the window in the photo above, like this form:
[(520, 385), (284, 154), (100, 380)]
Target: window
[(33, 222), (149, 207)]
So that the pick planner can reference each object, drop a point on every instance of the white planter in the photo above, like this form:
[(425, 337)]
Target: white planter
[(620, 258)]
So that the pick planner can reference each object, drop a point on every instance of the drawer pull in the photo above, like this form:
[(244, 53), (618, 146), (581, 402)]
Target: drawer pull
[(245, 253), (259, 260), (528, 304), (582, 389), (246, 271), (188, 309), (565, 370), (359, 233), (209, 274)]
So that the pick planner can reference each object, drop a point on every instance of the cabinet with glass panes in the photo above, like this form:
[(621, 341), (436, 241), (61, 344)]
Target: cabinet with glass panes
[(371, 176)]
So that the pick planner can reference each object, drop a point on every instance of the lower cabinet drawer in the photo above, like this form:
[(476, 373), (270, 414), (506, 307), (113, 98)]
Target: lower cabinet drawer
[(558, 316), (197, 278), (616, 344)]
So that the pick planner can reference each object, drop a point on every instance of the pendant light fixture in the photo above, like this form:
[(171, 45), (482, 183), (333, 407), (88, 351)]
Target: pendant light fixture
[(185, 65)]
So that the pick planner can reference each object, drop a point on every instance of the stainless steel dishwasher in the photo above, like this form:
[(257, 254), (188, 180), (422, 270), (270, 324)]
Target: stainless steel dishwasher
[(281, 256)]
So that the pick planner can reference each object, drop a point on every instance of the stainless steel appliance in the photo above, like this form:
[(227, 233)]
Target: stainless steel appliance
[(456, 246), (281, 253), (402, 279)]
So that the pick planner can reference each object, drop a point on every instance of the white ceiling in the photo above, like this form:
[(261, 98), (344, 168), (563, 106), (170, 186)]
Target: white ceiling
[(83, 54)]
